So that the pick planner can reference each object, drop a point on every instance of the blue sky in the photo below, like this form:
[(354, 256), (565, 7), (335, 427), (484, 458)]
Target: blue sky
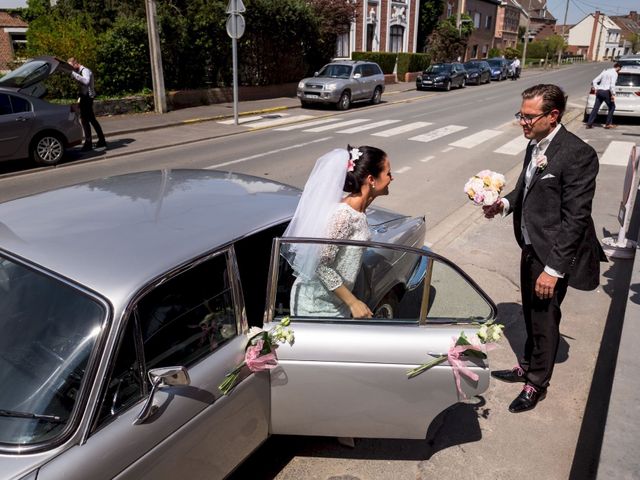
[(578, 9)]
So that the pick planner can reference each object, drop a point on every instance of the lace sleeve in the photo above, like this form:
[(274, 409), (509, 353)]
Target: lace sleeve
[(340, 228)]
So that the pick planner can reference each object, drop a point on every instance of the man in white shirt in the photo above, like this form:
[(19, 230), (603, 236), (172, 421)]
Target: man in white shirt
[(84, 77), (515, 66), (605, 86), (551, 207)]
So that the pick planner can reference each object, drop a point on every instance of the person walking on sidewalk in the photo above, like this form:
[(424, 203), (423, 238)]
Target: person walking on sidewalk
[(605, 86), (84, 77), (551, 206)]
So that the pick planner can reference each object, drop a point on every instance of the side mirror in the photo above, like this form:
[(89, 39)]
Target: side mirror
[(357, 75), (315, 74), (161, 377)]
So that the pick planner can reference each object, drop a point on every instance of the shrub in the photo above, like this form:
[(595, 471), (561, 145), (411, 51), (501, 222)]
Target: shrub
[(412, 62), (387, 61)]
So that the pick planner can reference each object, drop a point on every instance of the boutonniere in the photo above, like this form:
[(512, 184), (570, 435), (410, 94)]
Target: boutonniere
[(541, 162)]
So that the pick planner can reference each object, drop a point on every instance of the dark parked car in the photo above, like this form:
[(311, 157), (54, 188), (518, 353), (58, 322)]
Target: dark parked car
[(478, 72), (499, 68), (124, 302), (343, 83), (30, 126), (442, 75)]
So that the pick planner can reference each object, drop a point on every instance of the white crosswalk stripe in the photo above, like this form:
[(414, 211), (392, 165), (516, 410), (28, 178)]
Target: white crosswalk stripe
[(242, 120), (514, 147), (617, 153), (476, 139), (322, 121), (370, 126), (270, 122), (324, 128), (438, 133), (402, 170), (402, 129)]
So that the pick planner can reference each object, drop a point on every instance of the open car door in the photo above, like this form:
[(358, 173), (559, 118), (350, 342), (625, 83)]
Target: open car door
[(348, 377)]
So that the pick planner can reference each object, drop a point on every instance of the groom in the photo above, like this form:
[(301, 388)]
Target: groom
[(551, 206)]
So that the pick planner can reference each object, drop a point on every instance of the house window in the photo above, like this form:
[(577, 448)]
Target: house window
[(485, 49), (18, 38), (449, 9), (476, 19), (371, 33), (396, 38), (342, 45), (488, 22), (474, 51)]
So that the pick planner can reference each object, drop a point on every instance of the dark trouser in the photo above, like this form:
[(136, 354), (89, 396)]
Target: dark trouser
[(602, 96), (88, 119), (542, 320)]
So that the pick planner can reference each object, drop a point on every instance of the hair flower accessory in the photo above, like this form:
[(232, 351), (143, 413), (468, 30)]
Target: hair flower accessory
[(354, 156), (541, 162)]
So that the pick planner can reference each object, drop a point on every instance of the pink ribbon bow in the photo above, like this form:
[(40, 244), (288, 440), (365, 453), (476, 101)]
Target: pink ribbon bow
[(257, 362), (459, 366)]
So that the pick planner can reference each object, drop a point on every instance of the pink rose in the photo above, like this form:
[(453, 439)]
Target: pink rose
[(541, 161), (257, 362)]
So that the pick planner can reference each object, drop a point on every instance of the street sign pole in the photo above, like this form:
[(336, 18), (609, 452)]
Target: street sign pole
[(235, 29)]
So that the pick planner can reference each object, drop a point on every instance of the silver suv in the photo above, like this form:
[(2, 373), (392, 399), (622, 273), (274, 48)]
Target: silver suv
[(343, 83)]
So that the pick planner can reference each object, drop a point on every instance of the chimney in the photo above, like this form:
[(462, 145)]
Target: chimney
[(633, 15)]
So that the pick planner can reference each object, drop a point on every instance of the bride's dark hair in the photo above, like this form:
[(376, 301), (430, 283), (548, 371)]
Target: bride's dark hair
[(371, 162)]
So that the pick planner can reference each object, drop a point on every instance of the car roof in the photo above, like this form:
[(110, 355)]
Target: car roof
[(630, 69), (115, 234)]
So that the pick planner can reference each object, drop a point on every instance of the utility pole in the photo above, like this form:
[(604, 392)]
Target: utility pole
[(157, 77), (601, 25), (564, 25), (526, 38)]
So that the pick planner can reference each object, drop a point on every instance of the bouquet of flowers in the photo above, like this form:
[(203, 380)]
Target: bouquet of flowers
[(484, 187), (477, 346), (260, 353)]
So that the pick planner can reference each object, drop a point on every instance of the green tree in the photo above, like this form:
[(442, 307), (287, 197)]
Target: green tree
[(333, 18), (447, 43), (430, 11), (555, 44)]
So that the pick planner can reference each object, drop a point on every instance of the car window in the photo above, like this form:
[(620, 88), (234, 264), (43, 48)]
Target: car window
[(5, 104), (398, 284), (19, 104), (359, 69), (628, 80), (375, 69), (49, 330), (179, 322), (336, 71), (26, 74)]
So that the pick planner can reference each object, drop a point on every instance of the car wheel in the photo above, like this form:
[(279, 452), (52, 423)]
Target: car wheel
[(388, 307), (377, 95), (463, 83), (47, 149), (447, 86), (344, 102), (305, 104)]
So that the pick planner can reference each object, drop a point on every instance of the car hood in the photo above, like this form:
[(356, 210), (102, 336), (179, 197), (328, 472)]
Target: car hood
[(434, 75), (324, 80), (28, 78)]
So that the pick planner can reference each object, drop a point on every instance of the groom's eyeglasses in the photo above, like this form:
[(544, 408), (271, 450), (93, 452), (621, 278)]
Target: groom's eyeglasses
[(529, 119)]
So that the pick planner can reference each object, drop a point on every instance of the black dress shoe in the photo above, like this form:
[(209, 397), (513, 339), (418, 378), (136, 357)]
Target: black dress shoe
[(516, 374), (101, 144), (86, 148), (528, 399)]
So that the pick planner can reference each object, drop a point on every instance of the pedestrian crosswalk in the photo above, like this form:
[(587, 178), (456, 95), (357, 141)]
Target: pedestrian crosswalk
[(616, 153)]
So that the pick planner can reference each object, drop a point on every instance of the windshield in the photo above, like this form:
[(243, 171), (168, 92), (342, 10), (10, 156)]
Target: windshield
[(472, 65), (439, 68), (48, 332), (495, 63), (335, 71), (27, 74)]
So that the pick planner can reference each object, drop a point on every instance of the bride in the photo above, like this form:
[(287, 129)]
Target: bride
[(326, 273)]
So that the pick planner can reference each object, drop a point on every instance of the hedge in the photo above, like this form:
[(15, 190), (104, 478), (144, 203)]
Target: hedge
[(412, 62), (387, 61)]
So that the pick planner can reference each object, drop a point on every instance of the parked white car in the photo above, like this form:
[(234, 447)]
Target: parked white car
[(627, 96)]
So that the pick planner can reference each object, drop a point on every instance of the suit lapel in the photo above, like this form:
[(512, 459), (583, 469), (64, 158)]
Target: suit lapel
[(550, 153)]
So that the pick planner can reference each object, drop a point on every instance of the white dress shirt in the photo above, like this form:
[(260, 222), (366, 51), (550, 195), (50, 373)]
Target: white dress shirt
[(606, 80), (539, 148), (85, 78)]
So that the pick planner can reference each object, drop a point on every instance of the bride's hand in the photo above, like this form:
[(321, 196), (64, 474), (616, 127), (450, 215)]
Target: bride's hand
[(359, 309)]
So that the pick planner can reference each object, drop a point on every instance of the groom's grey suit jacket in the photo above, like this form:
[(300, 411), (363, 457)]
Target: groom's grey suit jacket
[(557, 210)]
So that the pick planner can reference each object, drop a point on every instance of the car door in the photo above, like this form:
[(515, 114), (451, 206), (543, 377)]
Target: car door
[(192, 318), (16, 123), (359, 88), (348, 377)]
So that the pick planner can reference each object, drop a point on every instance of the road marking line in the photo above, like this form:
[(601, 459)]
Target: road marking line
[(426, 159), (371, 126), (445, 150), (264, 154), (617, 153), (308, 124), (476, 139), (242, 120), (514, 147), (438, 133), (402, 129), (324, 128), (402, 170), (279, 121)]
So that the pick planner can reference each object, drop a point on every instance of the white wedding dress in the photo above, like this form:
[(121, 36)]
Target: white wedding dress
[(339, 265)]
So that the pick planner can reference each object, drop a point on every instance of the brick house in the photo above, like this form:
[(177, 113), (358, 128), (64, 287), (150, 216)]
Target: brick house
[(508, 21), (629, 25), (596, 36), (13, 37), (483, 14), (381, 26)]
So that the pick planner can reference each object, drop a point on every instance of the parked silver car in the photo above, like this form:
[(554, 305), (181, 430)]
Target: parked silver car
[(29, 126), (343, 83), (127, 300)]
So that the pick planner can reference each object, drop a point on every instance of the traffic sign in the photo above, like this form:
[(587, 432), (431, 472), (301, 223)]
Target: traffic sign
[(235, 25), (236, 6)]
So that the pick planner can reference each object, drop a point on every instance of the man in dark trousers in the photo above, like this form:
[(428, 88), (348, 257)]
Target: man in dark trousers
[(84, 77), (551, 206), (605, 87)]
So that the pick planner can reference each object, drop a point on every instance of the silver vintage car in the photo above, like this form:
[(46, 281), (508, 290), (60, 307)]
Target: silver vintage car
[(126, 301)]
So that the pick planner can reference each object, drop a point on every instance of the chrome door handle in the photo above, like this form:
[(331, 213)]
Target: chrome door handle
[(21, 119)]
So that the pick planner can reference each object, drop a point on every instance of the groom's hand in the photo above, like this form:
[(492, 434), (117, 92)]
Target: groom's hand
[(545, 285), (491, 211)]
